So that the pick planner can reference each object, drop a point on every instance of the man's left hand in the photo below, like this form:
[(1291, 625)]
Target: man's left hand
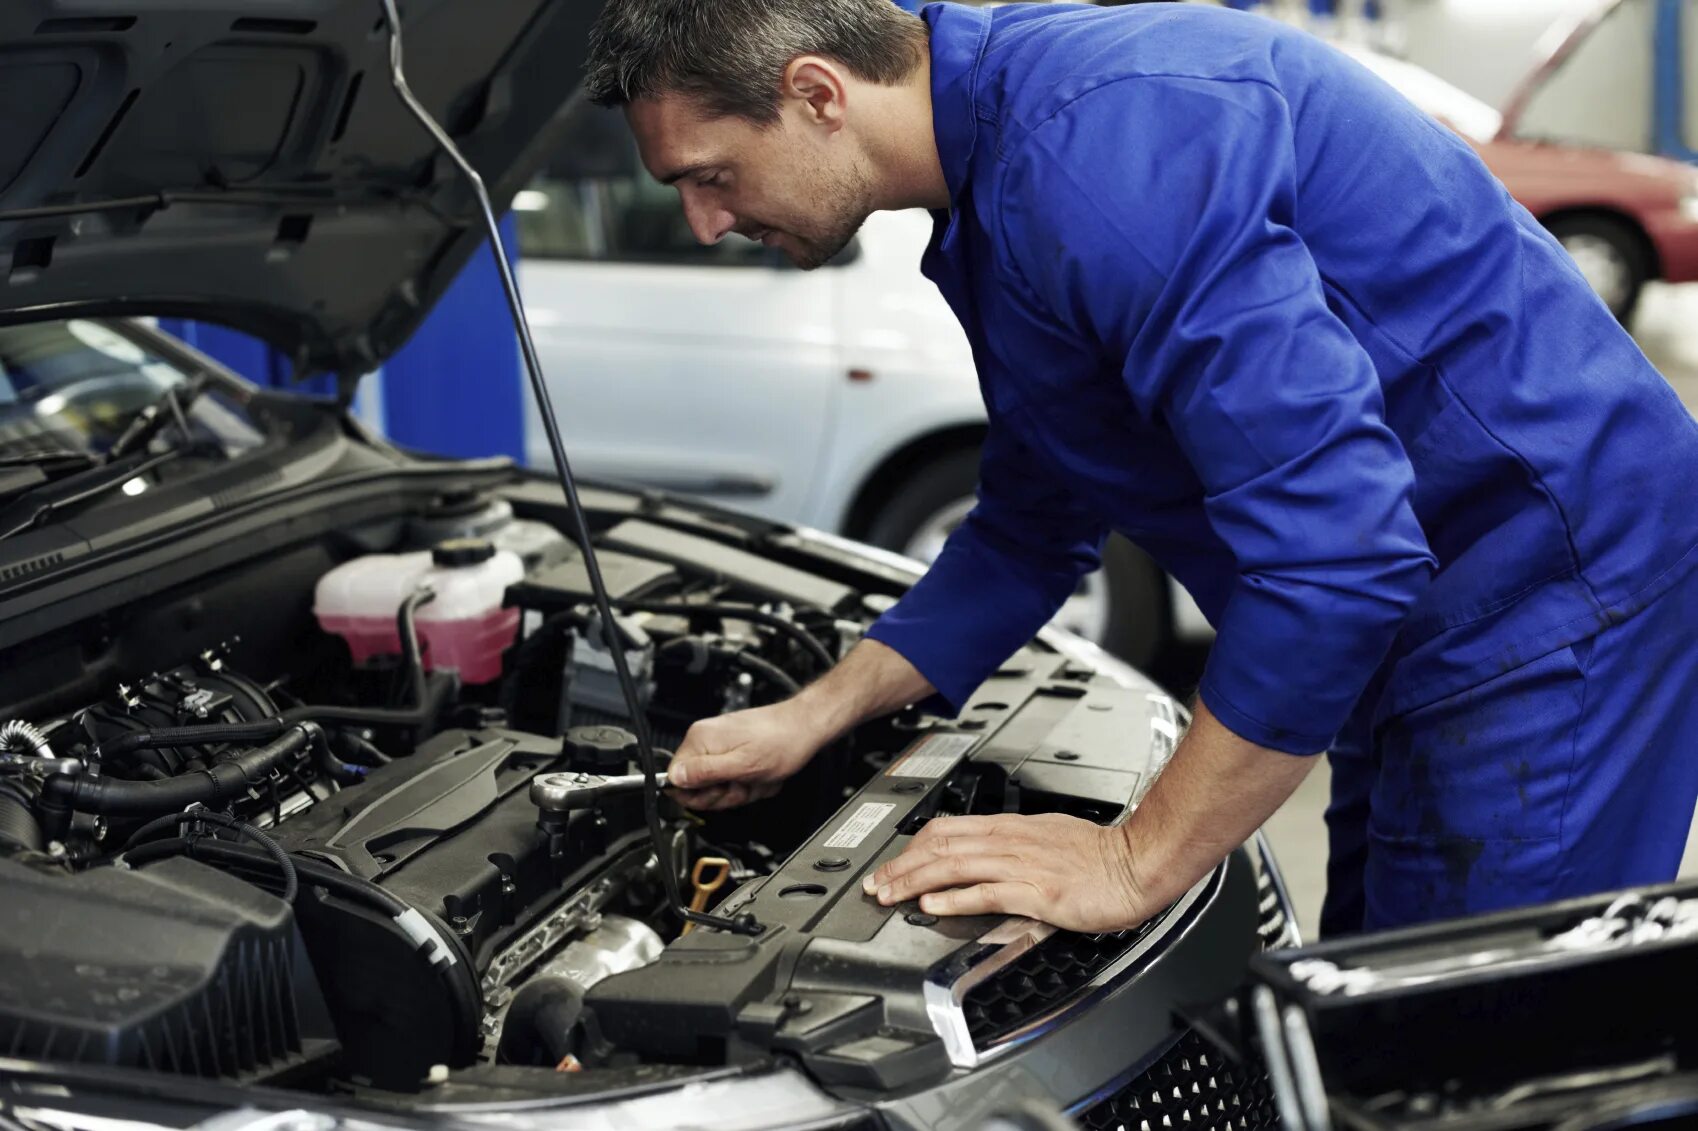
[(1050, 867)]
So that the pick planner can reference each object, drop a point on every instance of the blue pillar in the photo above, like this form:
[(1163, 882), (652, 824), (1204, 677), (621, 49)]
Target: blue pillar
[(456, 387)]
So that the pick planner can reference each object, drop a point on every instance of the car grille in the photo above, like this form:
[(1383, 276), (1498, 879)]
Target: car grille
[(1042, 979), (1194, 1086), (1273, 926)]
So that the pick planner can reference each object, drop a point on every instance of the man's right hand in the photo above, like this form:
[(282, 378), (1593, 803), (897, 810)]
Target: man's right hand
[(738, 758), (735, 759)]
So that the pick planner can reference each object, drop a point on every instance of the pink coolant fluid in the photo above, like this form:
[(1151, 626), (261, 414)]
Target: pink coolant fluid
[(464, 630)]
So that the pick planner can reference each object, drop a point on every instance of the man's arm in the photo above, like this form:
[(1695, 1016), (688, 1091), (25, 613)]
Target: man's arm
[(1002, 575), (1215, 793), (1157, 217)]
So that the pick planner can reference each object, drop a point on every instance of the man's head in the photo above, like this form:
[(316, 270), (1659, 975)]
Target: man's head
[(772, 117)]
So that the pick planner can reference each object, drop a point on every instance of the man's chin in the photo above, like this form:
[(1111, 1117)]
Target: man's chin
[(811, 256)]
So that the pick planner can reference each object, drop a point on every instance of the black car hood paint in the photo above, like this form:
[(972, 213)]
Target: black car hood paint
[(115, 99)]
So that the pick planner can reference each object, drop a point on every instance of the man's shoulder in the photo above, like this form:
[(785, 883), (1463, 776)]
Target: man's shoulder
[(1041, 58)]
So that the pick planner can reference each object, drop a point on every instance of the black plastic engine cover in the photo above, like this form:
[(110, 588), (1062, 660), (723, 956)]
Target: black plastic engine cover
[(852, 988), (175, 968), (452, 831)]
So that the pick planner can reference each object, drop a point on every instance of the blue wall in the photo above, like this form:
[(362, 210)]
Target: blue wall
[(456, 387)]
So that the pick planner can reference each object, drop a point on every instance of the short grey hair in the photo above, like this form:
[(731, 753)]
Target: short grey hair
[(731, 54)]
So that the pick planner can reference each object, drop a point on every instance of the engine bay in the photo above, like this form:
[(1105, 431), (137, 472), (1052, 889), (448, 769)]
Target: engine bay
[(287, 848)]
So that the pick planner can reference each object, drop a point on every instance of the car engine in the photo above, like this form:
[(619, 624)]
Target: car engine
[(278, 851)]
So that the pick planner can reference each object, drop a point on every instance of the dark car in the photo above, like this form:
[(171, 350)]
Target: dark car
[(318, 799)]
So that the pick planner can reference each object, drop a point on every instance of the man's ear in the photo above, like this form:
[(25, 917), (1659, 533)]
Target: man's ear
[(820, 86)]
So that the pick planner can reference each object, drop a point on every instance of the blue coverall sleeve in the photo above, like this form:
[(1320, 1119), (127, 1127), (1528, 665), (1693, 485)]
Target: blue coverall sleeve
[(1002, 575), (1154, 216)]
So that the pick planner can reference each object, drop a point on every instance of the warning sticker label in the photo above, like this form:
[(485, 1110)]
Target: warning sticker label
[(862, 822), (933, 757)]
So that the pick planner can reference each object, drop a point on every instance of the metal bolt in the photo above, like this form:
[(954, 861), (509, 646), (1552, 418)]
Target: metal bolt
[(920, 919), (1066, 756), (908, 787), (831, 864)]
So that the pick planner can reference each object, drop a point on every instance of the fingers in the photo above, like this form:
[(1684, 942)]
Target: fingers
[(943, 873), (963, 826), (697, 771), (920, 853), (726, 796), (1009, 897)]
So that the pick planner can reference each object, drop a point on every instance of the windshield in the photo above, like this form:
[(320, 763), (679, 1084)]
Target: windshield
[(74, 386)]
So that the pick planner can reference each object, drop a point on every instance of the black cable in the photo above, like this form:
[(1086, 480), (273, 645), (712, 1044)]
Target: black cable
[(796, 632), (736, 657), (366, 750), (772, 672), (744, 924), (291, 880)]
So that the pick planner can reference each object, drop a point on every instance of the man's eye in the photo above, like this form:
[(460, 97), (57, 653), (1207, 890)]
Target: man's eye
[(715, 181)]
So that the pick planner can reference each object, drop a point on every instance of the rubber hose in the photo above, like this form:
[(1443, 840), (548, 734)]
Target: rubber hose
[(19, 830), (210, 787), (258, 731), (374, 716), (544, 1014)]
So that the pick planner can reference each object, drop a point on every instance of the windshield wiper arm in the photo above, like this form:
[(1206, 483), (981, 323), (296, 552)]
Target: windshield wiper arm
[(28, 514), (168, 409)]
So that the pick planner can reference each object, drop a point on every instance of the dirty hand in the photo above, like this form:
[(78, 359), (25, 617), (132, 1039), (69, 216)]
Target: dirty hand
[(1051, 867), (742, 757)]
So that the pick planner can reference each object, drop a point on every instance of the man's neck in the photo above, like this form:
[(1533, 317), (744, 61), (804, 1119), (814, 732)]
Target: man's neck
[(903, 146)]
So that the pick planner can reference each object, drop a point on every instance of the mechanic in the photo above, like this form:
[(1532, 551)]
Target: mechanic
[(1230, 295)]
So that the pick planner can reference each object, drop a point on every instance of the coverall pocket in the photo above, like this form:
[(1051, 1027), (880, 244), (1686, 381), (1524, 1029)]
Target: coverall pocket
[(1466, 811)]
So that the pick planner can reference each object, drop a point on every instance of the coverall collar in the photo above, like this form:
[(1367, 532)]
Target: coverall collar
[(958, 37)]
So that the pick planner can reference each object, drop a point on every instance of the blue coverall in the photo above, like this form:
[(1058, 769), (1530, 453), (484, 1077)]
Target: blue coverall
[(1231, 295)]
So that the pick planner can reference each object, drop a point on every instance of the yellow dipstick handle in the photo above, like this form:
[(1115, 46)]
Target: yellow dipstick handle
[(707, 877)]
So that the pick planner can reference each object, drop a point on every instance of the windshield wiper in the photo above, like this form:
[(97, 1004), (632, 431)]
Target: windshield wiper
[(168, 409), (28, 513)]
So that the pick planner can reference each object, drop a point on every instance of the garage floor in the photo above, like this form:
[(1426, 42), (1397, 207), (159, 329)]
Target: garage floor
[(1667, 328)]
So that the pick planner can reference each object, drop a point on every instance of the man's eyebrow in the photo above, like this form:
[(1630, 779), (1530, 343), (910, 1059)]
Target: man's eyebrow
[(688, 170)]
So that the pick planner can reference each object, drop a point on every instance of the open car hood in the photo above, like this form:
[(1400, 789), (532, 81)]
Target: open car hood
[(292, 195)]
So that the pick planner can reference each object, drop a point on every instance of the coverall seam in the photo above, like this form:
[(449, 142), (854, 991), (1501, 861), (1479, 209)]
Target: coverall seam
[(1438, 372), (1573, 753), (1007, 150)]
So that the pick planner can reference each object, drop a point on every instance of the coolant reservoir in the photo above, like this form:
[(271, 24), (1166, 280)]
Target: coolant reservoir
[(463, 630)]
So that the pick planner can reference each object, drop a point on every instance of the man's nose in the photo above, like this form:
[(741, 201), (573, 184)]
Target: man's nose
[(708, 222)]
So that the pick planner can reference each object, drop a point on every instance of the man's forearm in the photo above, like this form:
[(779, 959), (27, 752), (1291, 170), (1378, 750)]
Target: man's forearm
[(1214, 794), (872, 680)]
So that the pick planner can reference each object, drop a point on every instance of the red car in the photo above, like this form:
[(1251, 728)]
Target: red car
[(1627, 218)]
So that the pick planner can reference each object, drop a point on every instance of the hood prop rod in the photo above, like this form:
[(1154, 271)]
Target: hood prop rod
[(744, 924)]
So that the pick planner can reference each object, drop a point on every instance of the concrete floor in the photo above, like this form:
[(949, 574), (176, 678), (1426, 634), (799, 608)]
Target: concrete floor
[(1667, 329)]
